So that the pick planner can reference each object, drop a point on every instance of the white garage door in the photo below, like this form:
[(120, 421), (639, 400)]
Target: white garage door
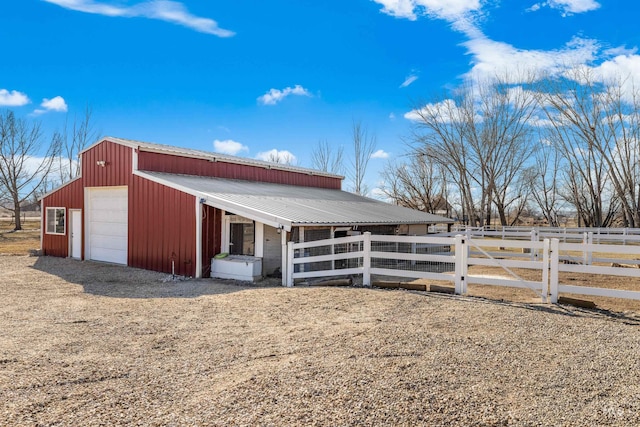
[(107, 224)]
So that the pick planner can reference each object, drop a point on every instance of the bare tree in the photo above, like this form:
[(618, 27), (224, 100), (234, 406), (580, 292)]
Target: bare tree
[(25, 160), (416, 184), (502, 144), (72, 143), (440, 134), (325, 159), (545, 183), (363, 147), (589, 192), (481, 137), (594, 127), (619, 137)]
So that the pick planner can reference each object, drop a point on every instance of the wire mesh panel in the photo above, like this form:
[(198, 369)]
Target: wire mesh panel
[(401, 255), (322, 257), (383, 255), (313, 235)]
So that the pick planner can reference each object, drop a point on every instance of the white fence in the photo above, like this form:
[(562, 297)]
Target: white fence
[(564, 234), (449, 258)]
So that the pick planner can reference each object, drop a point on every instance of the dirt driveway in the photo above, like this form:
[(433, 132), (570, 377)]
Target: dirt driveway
[(88, 344)]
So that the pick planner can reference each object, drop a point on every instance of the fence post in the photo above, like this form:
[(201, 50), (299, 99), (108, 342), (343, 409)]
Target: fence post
[(587, 255), (366, 258), (534, 238), (461, 264), (465, 264), (290, 254), (545, 270), (554, 268)]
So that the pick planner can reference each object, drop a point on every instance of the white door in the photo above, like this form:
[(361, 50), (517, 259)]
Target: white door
[(76, 233), (107, 224)]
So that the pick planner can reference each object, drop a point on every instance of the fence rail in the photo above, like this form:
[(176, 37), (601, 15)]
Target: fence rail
[(448, 258), (565, 234)]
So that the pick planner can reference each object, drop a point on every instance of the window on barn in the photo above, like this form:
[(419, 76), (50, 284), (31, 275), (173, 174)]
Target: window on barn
[(56, 220), (242, 239)]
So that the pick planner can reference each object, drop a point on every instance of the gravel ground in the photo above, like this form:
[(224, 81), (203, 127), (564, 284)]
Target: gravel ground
[(83, 343)]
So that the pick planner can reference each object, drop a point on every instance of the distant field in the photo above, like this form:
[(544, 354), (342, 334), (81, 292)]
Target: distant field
[(19, 242)]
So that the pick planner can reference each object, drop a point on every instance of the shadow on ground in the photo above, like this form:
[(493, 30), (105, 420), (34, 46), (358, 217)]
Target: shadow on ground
[(558, 309), (118, 281)]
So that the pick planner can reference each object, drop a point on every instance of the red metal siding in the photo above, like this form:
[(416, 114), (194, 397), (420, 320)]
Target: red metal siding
[(70, 196), (211, 236), (184, 165), (161, 228), (117, 170)]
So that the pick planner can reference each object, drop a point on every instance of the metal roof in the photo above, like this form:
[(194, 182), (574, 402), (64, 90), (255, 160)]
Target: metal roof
[(287, 205), (218, 157)]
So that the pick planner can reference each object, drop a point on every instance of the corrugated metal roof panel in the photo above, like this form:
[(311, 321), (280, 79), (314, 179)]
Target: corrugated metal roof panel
[(297, 205)]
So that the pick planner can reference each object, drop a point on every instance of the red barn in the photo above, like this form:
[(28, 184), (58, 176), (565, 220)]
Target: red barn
[(168, 209)]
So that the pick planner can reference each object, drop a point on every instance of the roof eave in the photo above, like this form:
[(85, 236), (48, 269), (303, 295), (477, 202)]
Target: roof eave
[(58, 188), (208, 199), (366, 224)]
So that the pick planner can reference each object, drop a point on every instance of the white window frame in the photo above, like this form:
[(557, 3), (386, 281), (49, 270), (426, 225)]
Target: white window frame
[(55, 215)]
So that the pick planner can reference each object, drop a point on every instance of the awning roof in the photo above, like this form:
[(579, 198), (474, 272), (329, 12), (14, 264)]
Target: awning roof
[(289, 205)]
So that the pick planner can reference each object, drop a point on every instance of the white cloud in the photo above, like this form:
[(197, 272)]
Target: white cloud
[(392, 116), (619, 51), (621, 69), (13, 98), (410, 79), (620, 66), (450, 10), (380, 154), (56, 104), (567, 7), (229, 146), (277, 156), (447, 110), (273, 96), (163, 10), (398, 8), (492, 57)]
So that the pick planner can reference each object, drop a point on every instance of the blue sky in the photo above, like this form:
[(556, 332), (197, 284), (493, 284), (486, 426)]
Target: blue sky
[(249, 76)]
